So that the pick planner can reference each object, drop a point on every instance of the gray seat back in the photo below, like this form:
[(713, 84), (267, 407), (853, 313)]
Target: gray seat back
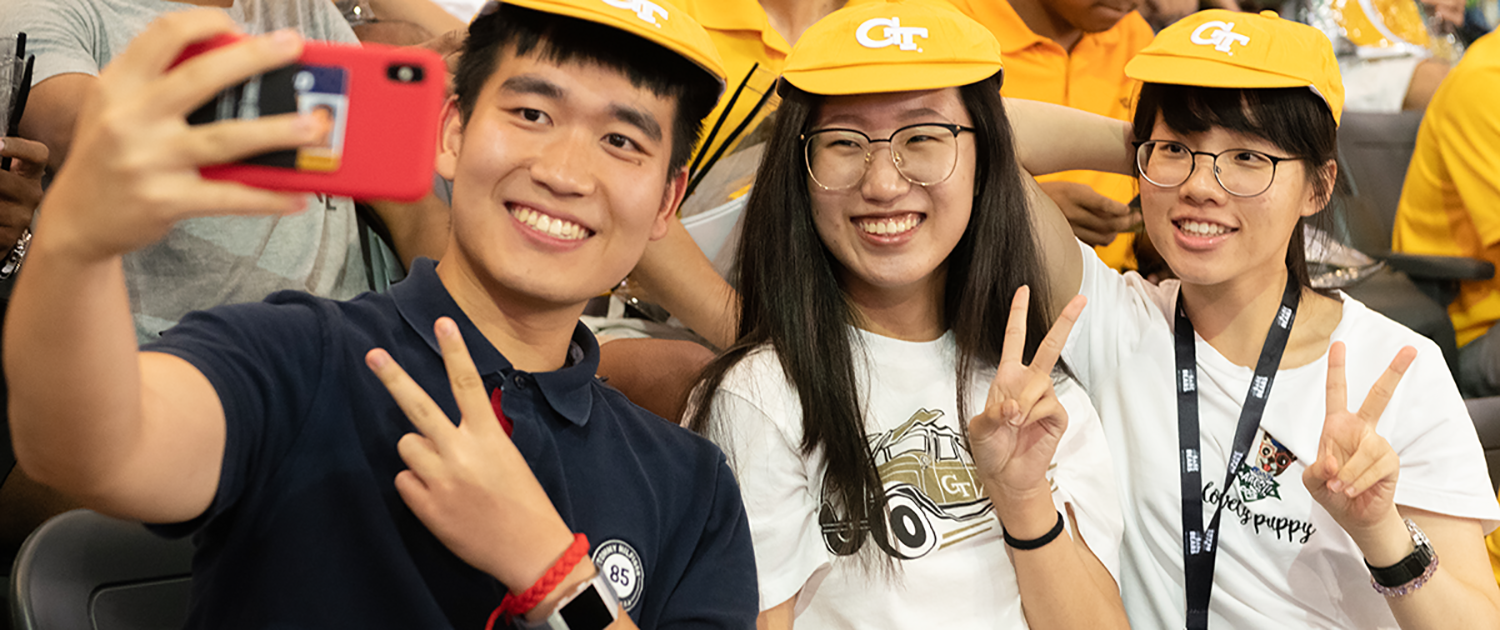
[(1375, 150), (82, 570)]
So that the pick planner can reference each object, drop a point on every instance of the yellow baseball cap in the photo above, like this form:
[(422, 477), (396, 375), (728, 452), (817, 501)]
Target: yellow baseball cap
[(657, 21), (1219, 48), (892, 47)]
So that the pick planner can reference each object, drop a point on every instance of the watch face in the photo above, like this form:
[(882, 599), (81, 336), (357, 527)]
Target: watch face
[(587, 611)]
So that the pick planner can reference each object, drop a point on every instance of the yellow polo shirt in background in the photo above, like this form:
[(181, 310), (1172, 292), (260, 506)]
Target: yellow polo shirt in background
[(745, 39), (1450, 204), (1091, 77)]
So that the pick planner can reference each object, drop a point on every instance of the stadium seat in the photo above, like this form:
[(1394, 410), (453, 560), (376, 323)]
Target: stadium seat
[(82, 570), (1374, 152)]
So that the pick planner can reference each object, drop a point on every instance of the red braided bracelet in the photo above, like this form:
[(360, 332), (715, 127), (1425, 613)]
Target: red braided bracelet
[(514, 605)]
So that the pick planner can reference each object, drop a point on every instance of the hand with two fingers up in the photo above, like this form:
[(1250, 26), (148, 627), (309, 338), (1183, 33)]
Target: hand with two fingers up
[(1014, 439), (1354, 477), (467, 482), (132, 172)]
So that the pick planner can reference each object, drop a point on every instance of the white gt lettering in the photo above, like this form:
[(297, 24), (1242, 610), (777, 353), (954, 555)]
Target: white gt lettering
[(895, 34), (954, 486), (1220, 35), (644, 9)]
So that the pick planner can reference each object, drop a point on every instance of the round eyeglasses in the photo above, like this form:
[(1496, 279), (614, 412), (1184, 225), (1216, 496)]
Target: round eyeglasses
[(1242, 172), (924, 154)]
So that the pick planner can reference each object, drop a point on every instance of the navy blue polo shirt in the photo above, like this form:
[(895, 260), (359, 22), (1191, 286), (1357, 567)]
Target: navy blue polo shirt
[(307, 530)]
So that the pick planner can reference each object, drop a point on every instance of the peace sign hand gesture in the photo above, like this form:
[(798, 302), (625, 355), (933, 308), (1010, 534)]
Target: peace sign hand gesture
[(1354, 477), (468, 483), (1015, 437)]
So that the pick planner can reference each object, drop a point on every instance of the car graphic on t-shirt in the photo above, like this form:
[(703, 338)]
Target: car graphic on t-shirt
[(932, 491)]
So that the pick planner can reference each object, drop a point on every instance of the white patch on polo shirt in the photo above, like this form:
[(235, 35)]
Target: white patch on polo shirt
[(1221, 37), (895, 34), (619, 563), (644, 9)]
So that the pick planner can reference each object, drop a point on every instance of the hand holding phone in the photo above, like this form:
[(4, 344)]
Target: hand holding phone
[(133, 171), (377, 110)]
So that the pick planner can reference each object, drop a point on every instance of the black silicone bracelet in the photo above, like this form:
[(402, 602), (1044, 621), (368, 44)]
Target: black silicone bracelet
[(1036, 543)]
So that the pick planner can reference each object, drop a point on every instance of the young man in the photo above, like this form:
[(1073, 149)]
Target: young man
[(259, 429)]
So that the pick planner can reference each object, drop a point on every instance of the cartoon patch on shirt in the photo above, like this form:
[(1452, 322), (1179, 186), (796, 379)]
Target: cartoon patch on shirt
[(1259, 481), (933, 495)]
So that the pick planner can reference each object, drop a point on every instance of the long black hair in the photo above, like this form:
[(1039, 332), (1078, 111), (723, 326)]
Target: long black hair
[(1294, 119), (793, 303)]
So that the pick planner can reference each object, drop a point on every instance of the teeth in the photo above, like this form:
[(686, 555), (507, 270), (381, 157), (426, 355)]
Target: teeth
[(1195, 228), (894, 225), (552, 226)]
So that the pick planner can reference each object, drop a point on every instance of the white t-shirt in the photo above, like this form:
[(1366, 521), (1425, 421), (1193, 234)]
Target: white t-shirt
[(958, 575), (1282, 561)]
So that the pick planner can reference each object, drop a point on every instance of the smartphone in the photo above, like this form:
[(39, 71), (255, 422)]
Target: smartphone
[(379, 108)]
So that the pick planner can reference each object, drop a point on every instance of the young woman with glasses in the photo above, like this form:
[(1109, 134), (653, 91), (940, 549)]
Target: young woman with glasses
[(1289, 457), (886, 249)]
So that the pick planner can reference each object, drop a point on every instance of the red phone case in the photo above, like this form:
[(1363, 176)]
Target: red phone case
[(389, 131)]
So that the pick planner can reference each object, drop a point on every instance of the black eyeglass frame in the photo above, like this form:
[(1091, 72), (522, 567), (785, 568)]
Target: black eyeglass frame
[(805, 138), (1193, 165)]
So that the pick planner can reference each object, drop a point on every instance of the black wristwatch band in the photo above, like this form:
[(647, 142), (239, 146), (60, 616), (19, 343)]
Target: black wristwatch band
[(1409, 568)]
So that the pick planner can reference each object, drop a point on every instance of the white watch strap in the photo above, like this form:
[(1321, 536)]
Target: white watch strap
[(589, 595)]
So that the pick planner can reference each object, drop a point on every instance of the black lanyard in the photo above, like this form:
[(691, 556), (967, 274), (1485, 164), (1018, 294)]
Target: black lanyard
[(1199, 545)]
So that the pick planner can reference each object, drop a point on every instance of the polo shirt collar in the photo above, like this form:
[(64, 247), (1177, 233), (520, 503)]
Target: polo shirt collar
[(731, 15), (421, 299), (1010, 29), (739, 15)]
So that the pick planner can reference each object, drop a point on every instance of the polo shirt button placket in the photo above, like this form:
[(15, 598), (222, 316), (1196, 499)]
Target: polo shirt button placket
[(520, 381)]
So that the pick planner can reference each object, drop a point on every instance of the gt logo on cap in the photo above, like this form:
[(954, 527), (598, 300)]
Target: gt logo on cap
[(1221, 37), (644, 9), (895, 34)]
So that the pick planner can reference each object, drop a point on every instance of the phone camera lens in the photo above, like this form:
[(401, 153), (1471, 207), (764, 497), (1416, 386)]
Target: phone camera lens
[(405, 73)]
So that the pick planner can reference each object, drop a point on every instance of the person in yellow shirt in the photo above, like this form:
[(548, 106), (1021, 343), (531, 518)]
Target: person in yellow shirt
[(1073, 52), (1450, 204)]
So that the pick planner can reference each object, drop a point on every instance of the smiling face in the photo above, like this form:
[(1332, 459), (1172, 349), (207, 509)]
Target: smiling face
[(887, 233), (559, 180), (1210, 237)]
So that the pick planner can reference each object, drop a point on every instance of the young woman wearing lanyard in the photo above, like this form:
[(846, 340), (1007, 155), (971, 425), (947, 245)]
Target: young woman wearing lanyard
[(1271, 438), (885, 236)]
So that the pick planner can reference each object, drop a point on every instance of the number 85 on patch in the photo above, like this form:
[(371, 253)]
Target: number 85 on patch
[(621, 566)]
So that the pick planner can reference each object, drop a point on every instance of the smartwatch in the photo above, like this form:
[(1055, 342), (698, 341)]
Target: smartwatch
[(593, 606)]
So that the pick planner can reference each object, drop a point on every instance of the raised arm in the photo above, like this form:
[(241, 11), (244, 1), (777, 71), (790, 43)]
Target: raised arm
[(139, 435), (1355, 477), (1014, 440), (676, 275), (1052, 138)]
